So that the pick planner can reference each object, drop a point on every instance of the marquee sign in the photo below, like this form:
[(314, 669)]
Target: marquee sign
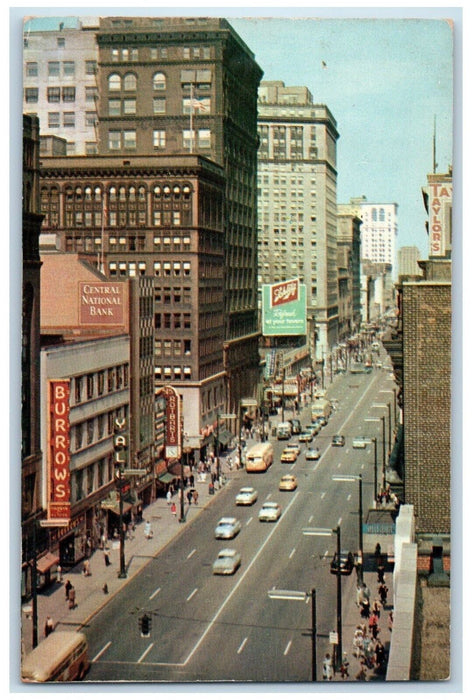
[(58, 498)]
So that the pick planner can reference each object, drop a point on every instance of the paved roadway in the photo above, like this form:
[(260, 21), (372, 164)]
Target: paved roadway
[(213, 628)]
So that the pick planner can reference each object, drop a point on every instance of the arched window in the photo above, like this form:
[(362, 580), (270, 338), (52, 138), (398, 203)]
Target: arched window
[(114, 81), (158, 81), (88, 194), (112, 193), (142, 194), (129, 81), (122, 194), (98, 194)]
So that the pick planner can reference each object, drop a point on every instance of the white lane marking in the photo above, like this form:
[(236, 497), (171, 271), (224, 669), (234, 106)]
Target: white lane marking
[(268, 496), (191, 553), (143, 656), (192, 594), (292, 553), (242, 645), (349, 497), (287, 648), (322, 495), (101, 652), (310, 519), (340, 521), (248, 521), (239, 582), (153, 595)]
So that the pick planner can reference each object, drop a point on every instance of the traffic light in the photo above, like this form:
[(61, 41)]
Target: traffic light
[(145, 625)]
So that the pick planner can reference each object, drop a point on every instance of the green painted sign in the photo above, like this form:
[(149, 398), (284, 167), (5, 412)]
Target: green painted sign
[(284, 308)]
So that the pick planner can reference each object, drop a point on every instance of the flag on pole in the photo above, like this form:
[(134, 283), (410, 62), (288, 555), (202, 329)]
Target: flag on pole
[(198, 104)]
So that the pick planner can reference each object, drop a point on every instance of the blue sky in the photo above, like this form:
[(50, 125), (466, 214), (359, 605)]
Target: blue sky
[(386, 76)]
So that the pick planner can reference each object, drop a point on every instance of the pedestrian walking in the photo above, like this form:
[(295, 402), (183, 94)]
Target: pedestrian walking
[(169, 496), (59, 573), (344, 666), (379, 655), (362, 673), (189, 497), (147, 530), (86, 568), (327, 668), (48, 626), (195, 497), (72, 603), (106, 556), (383, 590), (381, 574), (359, 596), (376, 607), (378, 554), (390, 620), (173, 509), (67, 588)]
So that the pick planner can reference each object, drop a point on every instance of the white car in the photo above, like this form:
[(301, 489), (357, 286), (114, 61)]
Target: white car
[(227, 562), (361, 442), (246, 496), (270, 512), (227, 528)]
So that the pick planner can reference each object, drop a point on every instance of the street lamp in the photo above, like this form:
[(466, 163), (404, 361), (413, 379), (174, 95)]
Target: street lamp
[(121, 448), (300, 595), (384, 461), (326, 532), (360, 575)]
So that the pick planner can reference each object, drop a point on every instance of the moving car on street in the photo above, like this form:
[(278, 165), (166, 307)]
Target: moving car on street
[(361, 442), (270, 512), (306, 436), (338, 441), (342, 563), (227, 528), (247, 496), (288, 456), (288, 483), (227, 562), (312, 453)]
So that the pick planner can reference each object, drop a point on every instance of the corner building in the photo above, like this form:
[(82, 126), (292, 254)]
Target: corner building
[(171, 86)]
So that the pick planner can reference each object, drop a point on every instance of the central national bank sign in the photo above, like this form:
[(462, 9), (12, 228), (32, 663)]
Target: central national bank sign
[(284, 308), (101, 303)]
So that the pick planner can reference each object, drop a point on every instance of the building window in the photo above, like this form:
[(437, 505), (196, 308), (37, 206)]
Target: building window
[(159, 81), (68, 68), (114, 82), (130, 81), (69, 119), (159, 138), (53, 69), (91, 119), (31, 95), (68, 94), (159, 105), (114, 140), (90, 67), (91, 94), (54, 120), (61, 42), (114, 108), (32, 70), (129, 106), (129, 139), (204, 138), (54, 94)]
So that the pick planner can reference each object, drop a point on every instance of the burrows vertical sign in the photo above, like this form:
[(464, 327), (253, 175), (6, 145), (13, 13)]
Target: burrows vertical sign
[(58, 503)]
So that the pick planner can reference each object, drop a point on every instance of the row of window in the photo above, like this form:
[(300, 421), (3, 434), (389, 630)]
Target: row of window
[(176, 373), (59, 69), (119, 139), (198, 80), (89, 479), (66, 93), (123, 193), (124, 54), (126, 106), (172, 348), (165, 269), (90, 386), (175, 321)]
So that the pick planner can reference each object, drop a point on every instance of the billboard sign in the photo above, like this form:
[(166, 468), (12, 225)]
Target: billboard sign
[(101, 303), (172, 425), (284, 308), (58, 497)]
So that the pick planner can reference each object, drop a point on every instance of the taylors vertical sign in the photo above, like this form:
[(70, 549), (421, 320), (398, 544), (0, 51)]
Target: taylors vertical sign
[(58, 503), (284, 308), (440, 203), (172, 430)]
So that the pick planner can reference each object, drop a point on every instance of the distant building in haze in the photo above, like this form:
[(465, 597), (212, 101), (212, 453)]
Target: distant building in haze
[(408, 257)]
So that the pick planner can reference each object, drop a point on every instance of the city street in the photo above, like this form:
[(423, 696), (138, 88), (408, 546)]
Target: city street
[(207, 627)]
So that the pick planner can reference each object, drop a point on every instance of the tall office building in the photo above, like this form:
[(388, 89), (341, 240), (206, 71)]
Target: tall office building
[(59, 79), (379, 230), (297, 201)]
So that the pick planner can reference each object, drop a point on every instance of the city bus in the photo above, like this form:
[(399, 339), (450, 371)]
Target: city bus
[(63, 656), (259, 457)]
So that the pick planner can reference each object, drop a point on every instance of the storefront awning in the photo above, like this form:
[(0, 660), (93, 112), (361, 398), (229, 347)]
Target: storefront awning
[(166, 478), (115, 507), (225, 437), (45, 563)]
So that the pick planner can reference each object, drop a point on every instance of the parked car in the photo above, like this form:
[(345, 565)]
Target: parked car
[(227, 528), (247, 496), (361, 442), (338, 441), (312, 453), (270, 512), (288, 483), (306, 436), (342, 563), (227, 562), (288, 456)]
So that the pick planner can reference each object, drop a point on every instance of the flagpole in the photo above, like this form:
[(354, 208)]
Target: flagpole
[(191, 117), (104, 209)]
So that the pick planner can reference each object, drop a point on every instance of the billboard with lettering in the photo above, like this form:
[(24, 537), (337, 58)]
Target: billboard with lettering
[(101, 303), (172, 425), (58, 496), (284, 308)]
